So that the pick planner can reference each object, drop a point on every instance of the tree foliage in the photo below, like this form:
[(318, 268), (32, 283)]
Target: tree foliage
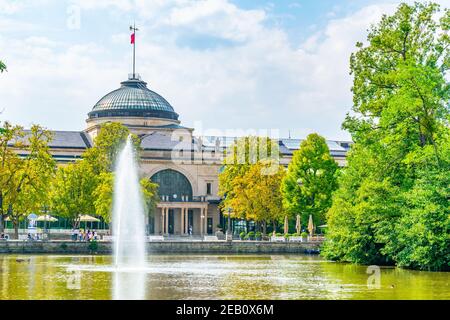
[(87, 186), (107, 144), (310, 180), (250, 166), (104, 191), (72, 193), (24, 179), (261, 198), (391, 206)]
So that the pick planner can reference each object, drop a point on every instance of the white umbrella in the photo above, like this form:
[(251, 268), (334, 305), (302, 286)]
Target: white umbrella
[(87, 218), (298, 225), (286, 225), (47, 217), (311, 225)]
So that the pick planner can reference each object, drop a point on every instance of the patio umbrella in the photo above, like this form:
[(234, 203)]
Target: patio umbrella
[(47, 217), (311, 225), (298, 225), (87, 218), (286, 225)]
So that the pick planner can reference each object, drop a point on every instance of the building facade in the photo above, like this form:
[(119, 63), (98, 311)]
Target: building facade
[(185, 166)]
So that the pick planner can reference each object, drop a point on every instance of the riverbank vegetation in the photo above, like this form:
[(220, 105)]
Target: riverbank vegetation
[(392, 205)]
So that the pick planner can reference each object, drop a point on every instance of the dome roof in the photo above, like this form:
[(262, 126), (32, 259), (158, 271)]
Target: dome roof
[(133, 99)]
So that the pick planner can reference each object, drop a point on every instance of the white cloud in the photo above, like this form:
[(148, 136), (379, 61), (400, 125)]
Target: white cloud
[(261, 80)]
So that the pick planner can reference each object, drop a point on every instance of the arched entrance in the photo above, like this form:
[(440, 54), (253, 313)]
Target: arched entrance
[(178, 212), (172, 184)]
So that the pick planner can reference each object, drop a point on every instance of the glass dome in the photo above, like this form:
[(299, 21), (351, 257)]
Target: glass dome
[(133, 99)]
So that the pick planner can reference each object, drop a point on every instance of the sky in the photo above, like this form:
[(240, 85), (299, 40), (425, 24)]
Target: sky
[(228, 67)]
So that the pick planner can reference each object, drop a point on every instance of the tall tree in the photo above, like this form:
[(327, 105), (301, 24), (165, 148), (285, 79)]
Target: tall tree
[(28, 176), (72, 193), (107, 144), (262, 200), (10, 136), (239, 158), (310, 180), (400, 130)]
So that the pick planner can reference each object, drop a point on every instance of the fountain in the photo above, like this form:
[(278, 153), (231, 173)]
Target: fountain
[(128, 228)]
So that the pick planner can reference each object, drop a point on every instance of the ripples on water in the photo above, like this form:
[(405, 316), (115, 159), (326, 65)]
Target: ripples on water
[(210, 277)]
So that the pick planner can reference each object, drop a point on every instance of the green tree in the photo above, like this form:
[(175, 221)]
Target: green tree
[(104, 191), (10, 137), (107, 144), (239, 158), (72, 192), (310, 180), (150, 195), (103, 195), (400, 130), (261, 193), (28, 176)]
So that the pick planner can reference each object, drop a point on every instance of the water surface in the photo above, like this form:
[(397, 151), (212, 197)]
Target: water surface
[(210, 277)]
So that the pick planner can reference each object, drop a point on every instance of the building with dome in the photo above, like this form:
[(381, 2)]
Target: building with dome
[(185, 166)]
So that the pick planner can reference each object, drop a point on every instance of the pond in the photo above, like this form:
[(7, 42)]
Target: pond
[(212, 277)]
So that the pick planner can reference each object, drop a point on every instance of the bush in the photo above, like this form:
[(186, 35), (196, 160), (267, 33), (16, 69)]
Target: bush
[(304, 234), (258, 235), (242, 235), (93, 246), (278, 234), (251, 235)]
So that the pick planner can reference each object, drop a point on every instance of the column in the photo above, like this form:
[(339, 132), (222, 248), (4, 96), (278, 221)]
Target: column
[(186, 221), (162, 220), (202, 222), (167, 221), (182, 220), (205, 223)]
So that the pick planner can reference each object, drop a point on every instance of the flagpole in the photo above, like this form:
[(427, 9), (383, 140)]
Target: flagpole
[(134, 51), (134, 29)]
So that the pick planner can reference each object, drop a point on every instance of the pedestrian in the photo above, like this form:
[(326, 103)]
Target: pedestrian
[(190, 230)]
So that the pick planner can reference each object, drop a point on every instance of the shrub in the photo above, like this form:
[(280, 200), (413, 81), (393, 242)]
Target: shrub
[(278, 234), (304, 234), (242, 235), (93, 246), (258, 235), (251, 235)]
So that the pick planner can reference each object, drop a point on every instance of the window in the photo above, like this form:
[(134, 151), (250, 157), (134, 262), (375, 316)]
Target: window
[(208, 188), (172, 183)]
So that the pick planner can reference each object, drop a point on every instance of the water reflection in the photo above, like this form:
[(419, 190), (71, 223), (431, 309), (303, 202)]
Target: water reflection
[(210, 277), (129, 284)]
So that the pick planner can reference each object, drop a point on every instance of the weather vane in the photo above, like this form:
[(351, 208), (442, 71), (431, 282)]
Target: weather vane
[(133, 42)]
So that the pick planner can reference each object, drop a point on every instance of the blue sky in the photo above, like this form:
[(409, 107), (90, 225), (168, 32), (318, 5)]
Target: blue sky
[(225, 65)]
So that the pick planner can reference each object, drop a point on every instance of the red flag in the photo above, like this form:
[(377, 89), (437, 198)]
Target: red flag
[(132, 38)]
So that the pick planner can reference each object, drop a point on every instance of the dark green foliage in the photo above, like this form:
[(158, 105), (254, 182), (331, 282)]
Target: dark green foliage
[(310, 180), (392, 203)]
